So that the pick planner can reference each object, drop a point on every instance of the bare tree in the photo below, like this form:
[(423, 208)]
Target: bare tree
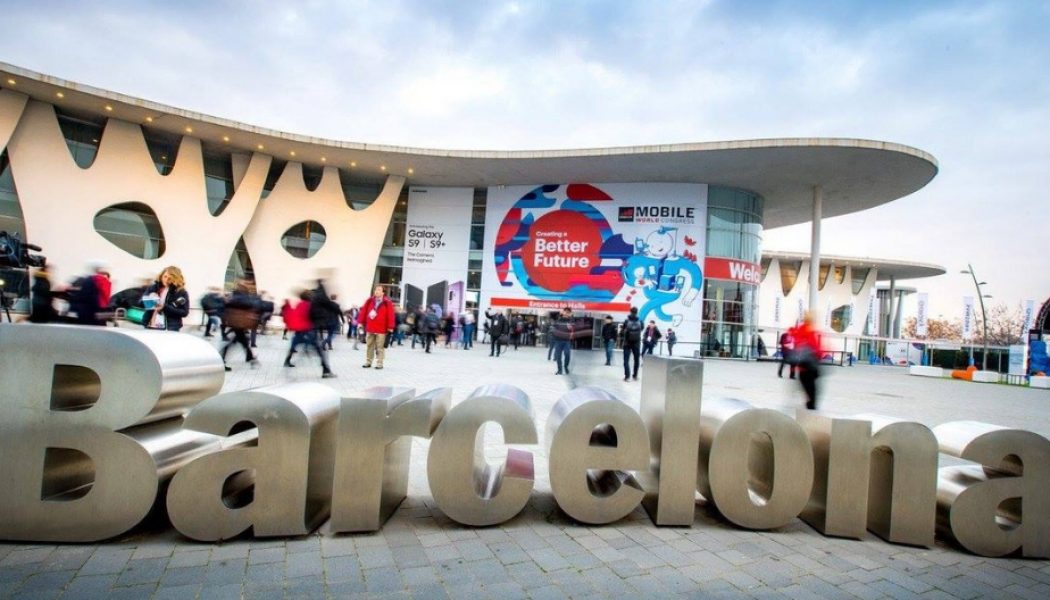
[(936, 329), (1004, 327)]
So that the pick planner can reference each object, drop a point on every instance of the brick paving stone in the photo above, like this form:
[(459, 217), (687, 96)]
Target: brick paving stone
[(307, 588), (106, 561), (224, 572), (89, 586), (938, 595), (182, 592), (144, 570), (197, 558), (893, 590), (303, 564), (26, 556), (429, 591), (382, 580), (229, 591)]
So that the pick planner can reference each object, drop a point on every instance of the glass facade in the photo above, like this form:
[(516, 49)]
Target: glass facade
[(303, 240), (734, 230), (11, 219), (133, 227)]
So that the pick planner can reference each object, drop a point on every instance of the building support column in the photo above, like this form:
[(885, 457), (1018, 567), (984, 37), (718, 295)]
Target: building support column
[(891, 314), (814, 252)]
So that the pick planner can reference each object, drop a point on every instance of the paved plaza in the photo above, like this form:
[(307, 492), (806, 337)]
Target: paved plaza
[(541, 553)]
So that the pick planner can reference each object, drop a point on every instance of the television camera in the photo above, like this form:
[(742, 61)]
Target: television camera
[(15, 254)]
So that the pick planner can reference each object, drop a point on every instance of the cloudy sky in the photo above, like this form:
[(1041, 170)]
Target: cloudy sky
[(965, 81)]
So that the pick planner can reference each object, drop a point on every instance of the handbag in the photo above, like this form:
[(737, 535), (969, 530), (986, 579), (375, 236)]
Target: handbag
[(240, 318), (504, 339)]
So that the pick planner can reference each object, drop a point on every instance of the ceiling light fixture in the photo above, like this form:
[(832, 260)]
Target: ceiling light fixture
[(323, 159), (12, 82), (353, 164), (225, 138), (60, 95), (410, 171), (292, 153), (260, 146), (382, 167), (149, 119), (189, 129), (109, 108)]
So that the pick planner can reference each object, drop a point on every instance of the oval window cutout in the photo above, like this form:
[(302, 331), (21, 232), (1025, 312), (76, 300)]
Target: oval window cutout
[(133, 227), (303, 240)]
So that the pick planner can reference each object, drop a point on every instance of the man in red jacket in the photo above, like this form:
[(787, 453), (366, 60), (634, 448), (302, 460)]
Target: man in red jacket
[(378, 317)]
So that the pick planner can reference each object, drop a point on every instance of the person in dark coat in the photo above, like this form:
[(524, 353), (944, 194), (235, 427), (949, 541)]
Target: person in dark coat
[(212, 303), (564, 331), (241, 312), (672, 339), (498, 327), (632, 339), (609, 338), (42, 310), (650, 337), (172, 301)]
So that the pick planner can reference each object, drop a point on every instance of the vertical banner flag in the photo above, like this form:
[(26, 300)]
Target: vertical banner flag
[(967, 322), (873, 313), (598, 249), (437, 247), (850, 315), (827, 316), (801, 310), (921, 319), (1029, 319), (778, 310)]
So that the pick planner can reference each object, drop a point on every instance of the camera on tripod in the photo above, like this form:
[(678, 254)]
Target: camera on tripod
[(15, 254)]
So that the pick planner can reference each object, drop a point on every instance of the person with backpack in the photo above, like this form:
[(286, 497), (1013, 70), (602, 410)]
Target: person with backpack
[(378, 319), (650, 337), (517, 330), (431, 326), (609, 339), (632, 339), (212, 303)]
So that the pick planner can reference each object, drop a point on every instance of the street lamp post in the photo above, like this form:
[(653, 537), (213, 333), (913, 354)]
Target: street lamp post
[(984, 316)]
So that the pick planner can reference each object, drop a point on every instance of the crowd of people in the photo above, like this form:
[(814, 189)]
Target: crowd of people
[(315, 320)]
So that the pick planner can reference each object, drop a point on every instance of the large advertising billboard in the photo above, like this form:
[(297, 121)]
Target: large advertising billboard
[(437, 245), (599, 249)]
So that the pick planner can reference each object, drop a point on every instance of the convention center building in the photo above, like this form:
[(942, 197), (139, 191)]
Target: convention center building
[(674, 230)]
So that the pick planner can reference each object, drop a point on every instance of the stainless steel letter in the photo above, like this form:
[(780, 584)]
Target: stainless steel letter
[(289, 472), (72, 469), (465, 486), (593, 438), (882, 481), (761, 469), (670, 407), (374, 449), (1002, 503)]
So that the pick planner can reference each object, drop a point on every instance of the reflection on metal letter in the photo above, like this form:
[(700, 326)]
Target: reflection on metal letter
[(1002, 503), (465, 486), (280, 487), (761, 469), (74, 467), (872, 472), (373, 452), (592, 440), (670, 407)]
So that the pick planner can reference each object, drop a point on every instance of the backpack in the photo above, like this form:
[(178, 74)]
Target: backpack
[(633, 330), (431, 322)]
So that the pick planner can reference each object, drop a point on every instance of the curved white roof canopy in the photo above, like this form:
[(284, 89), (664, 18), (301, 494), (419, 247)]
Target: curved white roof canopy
[(887, 269), (855, 174)]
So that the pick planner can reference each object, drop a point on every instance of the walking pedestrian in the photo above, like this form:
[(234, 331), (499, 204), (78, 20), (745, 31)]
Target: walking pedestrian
[(672, 339), (212, 303), (564, 332), (42, 309), (499, 331), (632, 339), (650, 337), (787, 351), (807, 356), (241, 315), (609, 339), (305, 333), (378, 319), (466, 318)]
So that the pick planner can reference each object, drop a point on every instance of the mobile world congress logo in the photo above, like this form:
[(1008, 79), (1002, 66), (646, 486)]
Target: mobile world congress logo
[(683, 215)]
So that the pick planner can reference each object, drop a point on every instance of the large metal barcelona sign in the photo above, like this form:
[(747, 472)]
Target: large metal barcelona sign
[(101, 427)]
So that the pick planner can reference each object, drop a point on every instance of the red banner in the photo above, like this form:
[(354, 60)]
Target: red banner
[(733, 270)]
